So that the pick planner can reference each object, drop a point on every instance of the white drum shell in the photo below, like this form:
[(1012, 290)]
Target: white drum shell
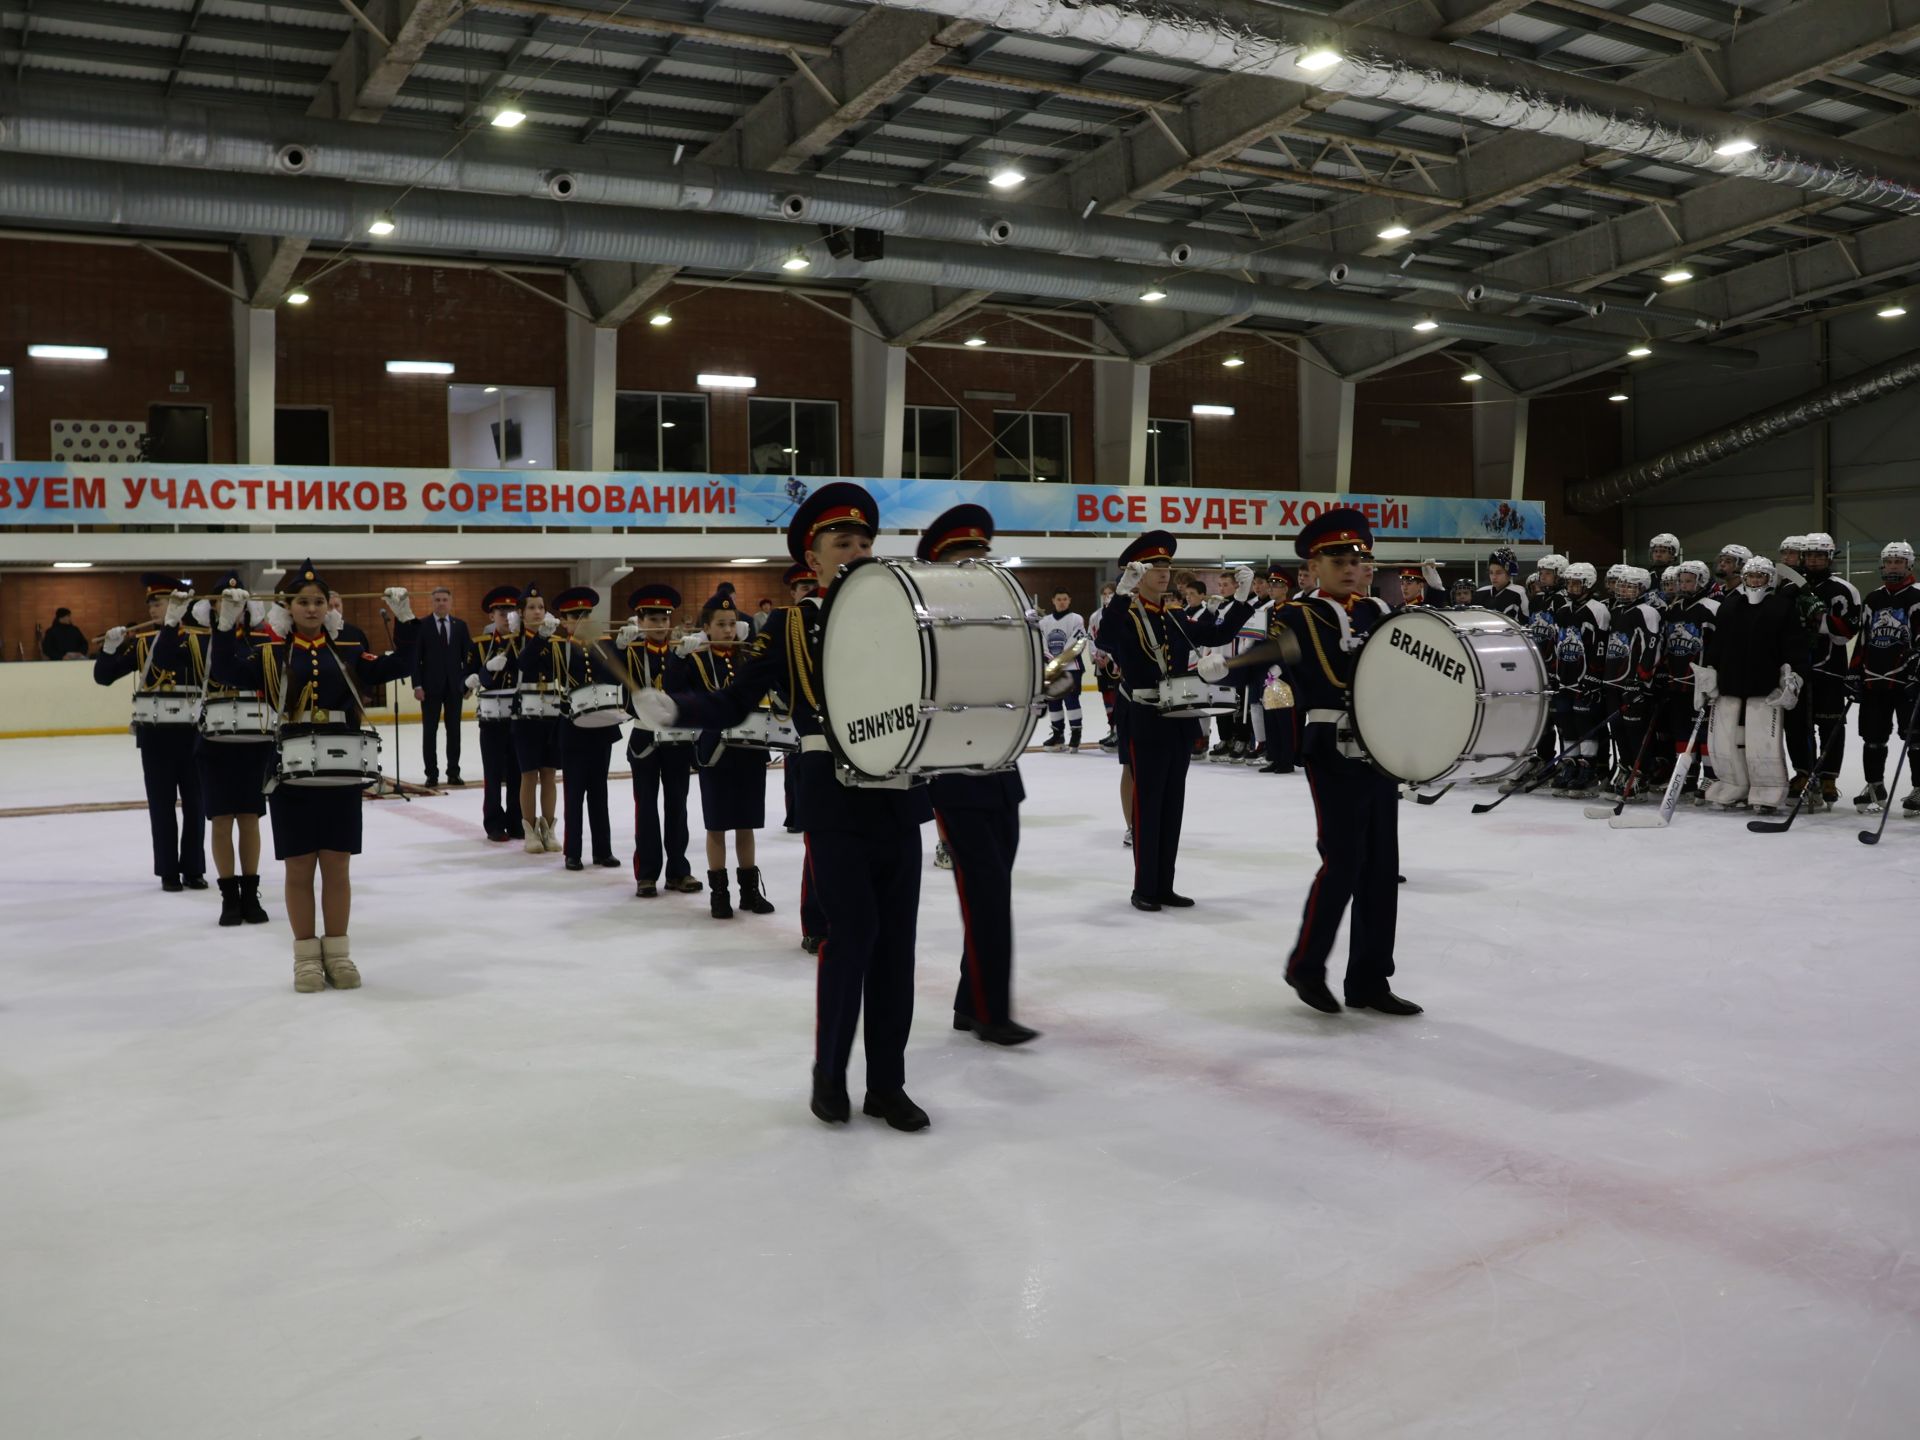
[(929, 668), (496, 705), (539, 705), (330, 757), (172, 707), (597, 707), (237, 720), (763, 730), (1185, 696), (1453, 695)]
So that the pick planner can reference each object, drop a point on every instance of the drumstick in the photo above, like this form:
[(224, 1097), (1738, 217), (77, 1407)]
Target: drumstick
[(144, 627)]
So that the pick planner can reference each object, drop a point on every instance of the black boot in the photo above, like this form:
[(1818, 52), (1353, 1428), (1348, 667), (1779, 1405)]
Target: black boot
[(753, 895), (1003, 1032), (250, 910), (722, 902), (171, 884), (830, 1102), (895, 1108), (229, 901)]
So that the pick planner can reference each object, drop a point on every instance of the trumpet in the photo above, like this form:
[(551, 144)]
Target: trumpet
[(1054, 679), (145, 627)]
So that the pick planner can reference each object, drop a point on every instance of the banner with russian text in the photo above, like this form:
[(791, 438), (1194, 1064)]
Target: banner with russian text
[(36, 493)]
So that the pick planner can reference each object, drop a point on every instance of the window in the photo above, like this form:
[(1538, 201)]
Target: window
[(492, 427), (931, 449), (659, 432), (794, 437), (1029, 446), (1169, 452)]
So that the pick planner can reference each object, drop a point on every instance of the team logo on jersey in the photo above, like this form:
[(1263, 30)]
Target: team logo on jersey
[(1619, 647), (1683, 640), (1572, 649), (1888, 629), (1543, 628), (1056, 642)]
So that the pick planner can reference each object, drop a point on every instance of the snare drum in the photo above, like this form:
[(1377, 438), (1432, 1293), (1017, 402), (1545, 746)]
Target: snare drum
[(929, 669), (328, 755), (1187, 696), (595, 707), (166, 707), (1449, 695), (496, 705), (763, 730), (237, 719), (539, 705)]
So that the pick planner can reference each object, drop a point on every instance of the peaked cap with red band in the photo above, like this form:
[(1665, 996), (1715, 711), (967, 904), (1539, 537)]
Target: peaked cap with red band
[(501, 597), (1342, 531), (158, 584), (799, 573), (962, 525), (654, 597), (577, 600), (840, 505), (1152, 546)]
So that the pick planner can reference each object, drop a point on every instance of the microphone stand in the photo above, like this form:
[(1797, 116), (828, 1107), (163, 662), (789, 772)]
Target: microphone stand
[(383, 788)]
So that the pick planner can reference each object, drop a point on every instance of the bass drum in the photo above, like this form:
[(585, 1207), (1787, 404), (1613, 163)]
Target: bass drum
[(928, 669), (1449, 695)]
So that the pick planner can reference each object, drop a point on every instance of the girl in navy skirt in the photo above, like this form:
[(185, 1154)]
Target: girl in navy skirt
[(312, 678), (537, 673), (733, 778), (233, 777)]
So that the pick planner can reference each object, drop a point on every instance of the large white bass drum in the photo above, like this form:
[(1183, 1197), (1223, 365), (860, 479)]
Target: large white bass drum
[(928, 669), (1449, 695)]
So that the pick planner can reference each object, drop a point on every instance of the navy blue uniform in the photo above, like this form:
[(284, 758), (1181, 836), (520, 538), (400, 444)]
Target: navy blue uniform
[(312, 682), (979, 818), (234, 774), (1357, 807), (1151, 643), (500, 767), (863, 854), (166, 661), (662, 774), (733, 778), (536, 668), (586, 754)]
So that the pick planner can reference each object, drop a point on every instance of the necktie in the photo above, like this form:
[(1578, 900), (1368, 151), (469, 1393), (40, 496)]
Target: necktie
[(445, 638)]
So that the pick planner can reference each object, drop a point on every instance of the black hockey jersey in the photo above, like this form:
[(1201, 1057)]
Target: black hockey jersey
[(1685, 627), (1889, 635), (1510, 600)]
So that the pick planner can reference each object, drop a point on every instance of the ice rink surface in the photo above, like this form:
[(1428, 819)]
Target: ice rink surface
[(1648, 1167)]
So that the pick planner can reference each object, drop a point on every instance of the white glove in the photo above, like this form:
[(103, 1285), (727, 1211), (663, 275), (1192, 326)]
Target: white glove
[(1430, 572), (233, 604), (333, 621), (548, 626), (655, 709), (398, 603), (115, 638), (626, 635), (202, 612), (257, 611), (692, 643), (473, 684), (496, 662), (1243, 583), (1131, 577), (513, 622), (281, 622), (1212, 668), (1788, 695), (1706, 686), (178, 604)]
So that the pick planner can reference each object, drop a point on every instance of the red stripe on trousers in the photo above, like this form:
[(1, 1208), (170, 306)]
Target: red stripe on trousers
[(1133, 764), (1313, 895), (966, 929)]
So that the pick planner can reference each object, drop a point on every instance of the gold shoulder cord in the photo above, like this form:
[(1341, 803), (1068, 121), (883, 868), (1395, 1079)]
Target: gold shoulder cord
[(269, 682), (1149, 642), (799, 662), (1313, 634)]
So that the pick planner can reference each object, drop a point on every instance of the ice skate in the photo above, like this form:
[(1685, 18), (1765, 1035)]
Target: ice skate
[(1872, 800)]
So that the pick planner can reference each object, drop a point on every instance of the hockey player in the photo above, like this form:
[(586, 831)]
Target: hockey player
[(1543, 625), (1460, 596), (1575, 668), (1686, 626), (1792, 549), (1633, 636), (1886, 675), (1727, 567), (1749, 675), (1663, 554), (1500, 593), (1059, 629), (1835, 624)]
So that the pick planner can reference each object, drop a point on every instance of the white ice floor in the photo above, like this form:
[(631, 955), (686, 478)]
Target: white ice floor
[(1648, 1167)]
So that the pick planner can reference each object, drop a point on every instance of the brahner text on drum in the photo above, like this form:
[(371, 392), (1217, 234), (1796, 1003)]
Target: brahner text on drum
[(1447, 665)]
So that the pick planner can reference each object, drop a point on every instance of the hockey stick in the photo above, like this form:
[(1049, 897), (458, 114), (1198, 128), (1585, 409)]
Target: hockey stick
[(1872, 837), (1535, 784), (1780, 827), (1434, 798), (1602, 812), (1663, 817)]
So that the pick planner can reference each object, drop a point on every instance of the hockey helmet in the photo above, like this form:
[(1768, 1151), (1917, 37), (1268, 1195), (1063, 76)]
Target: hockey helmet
[(1758, 565), (1555, 562), (1506, 559), (1584, 573), (1818, 544), (1702, 577), (1896, 552), (1665, 540)]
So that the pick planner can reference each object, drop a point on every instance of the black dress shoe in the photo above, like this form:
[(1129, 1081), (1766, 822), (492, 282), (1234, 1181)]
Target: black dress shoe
[(453, 778), (830, 1102), (431, 781), (1005, 1032), (171, 884), (1400, 879), (1315, 993), (896, 1109), (196, 882), (1140, 902), (1176, 902), (810, 944), (962, 1022), (574, 862), (499, 837), (1386, 1002), (606, 862)]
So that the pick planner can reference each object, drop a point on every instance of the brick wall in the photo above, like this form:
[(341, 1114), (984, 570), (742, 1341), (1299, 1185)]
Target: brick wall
[(98, 600), (1258, 447), (1574, 435), (1413, 431), (1037, 382), (153, 320)]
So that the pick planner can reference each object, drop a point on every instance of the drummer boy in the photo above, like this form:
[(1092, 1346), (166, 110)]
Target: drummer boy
[(1320, 636)]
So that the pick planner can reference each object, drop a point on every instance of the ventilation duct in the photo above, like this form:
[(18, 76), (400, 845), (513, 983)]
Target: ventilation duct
[(91, 195), (1753, 430), (189, 135), (1243, 37)]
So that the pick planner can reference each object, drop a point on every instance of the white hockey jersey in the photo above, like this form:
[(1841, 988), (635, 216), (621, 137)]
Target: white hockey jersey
[(1057, 632)]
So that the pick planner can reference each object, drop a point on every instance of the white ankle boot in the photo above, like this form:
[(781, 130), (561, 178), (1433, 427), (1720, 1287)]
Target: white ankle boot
[(553, 840), (308, 974), (536, 837), (341, 971)]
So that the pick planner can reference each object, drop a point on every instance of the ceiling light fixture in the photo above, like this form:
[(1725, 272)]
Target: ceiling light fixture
[(73, 564), (1891, 312), (1150, 295), (1738, 145), (1426, 323), (491, 390), (725, 382), (660, 319), (1639, 352), (1005, 177), (67, 352), (1618, 397), (1678, 276), (439, 562), (974, 342), (298, 297), (1317, 58), (419, 367), (382, 224), (796, 261), (668, 424), (1472, 376), (749, 560), (509, 115), (1233, 362), (1394, 230), (1213, 410)]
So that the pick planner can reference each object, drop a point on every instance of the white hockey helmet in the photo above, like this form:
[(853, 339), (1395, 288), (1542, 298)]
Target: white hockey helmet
[(1738, 552), (1796, 543), (1583, 572), (1555, 562), (1665, 540), (1758, 565), (1897, 550), (1818, 543), (1697, 569), (1616, 572), (1668, 576), (1638, 577)]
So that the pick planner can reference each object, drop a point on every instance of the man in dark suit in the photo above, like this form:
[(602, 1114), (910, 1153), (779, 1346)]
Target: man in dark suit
[(440, 682)]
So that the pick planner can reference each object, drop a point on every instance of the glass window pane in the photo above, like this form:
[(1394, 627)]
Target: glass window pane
[(770, 436), (1012, 446), (1169, 452), (934, 443), (816, 430), (683, 432), (1050, 459), (636, 443)]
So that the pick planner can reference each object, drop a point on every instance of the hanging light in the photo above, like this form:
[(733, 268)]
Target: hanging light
[(796, 261), (1394, 230), (1737, 145), (1679, 275), (660, 319), (1426, 323), (1618, 397), (508, 115), (382, 224), (1639, 352), (1151, 294), (974, 342), (298, 297), (1006, 176), (1317, 58), (1473, 377), (1893, 310), (1233, 362)]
